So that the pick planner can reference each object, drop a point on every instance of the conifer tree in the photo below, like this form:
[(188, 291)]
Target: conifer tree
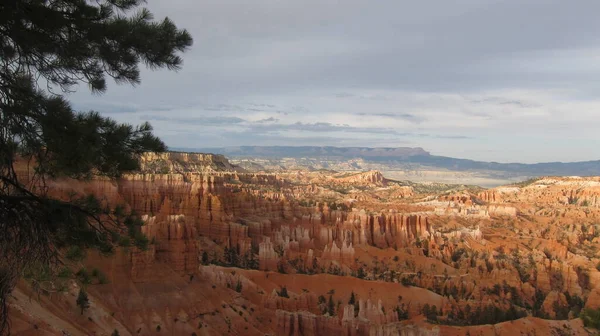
[(48, 48), (284, 292), (82, 300), (331, 306)]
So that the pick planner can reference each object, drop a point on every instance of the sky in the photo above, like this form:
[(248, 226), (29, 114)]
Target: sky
[(491, 80)]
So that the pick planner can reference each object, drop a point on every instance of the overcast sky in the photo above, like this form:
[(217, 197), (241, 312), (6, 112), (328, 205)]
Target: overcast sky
[(490, 80)]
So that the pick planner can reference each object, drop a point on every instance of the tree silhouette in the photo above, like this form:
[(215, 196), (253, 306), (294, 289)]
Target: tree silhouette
[(352, 298), (283, 292), (331, 306), (48, 48), (82, 300)]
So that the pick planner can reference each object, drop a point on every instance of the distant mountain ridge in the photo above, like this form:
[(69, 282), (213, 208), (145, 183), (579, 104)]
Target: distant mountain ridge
[(315, 151), (405, 158)]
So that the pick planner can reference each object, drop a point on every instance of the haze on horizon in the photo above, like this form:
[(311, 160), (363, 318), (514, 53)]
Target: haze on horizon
[(489, 80)]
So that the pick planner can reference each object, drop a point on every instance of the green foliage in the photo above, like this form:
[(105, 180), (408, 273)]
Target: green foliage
[(140, 240), (490, 314), (425, 310), (232, 256), (205, 260), (352, 299), (591, 318), (100, 276), (124, 241), (82, 300), (281, 267), (561, 312), (361, 274), (457, 254), (48, 48), (38, 273), (65, 273), (250, 260), (583, 278), (575, 304), (238, 287), (283, 292), (83, 276), (335, 270), (525, 183), (408, 281), (115, 333), (75, 253), (433, 313), (523, 270), (538, 301), (401, 312), (279, 250), (557, 281), (331, 306)]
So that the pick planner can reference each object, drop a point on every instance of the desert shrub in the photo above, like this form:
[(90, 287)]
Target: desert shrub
[(75, 253), (283, 292), (557, 281), (402, 312), (591, 318), (84, 276), (361, 274), (408, 281), (65, 273), (331, 306), (124, 241), (457, 255)]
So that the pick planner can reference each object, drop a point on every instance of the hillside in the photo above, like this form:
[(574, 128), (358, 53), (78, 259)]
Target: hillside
[(326, 253), (402, 163)]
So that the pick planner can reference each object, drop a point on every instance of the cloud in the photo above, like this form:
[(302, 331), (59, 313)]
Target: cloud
[(267, 120), (504, 101), (205, 121), (454, 78), (403, 116)]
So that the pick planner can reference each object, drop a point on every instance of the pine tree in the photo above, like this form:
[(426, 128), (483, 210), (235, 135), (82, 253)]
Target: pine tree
[(426, 310), (331, 306), (283, 292), (82, 300), (352, 298), (48, 48), (115, 333), (361, 273)]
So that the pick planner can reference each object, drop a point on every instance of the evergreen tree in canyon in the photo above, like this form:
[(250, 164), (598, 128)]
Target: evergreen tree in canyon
[(82, 300), (47, 49)]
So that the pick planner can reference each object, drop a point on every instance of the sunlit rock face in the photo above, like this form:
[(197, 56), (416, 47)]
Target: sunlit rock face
[(326, 253)]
